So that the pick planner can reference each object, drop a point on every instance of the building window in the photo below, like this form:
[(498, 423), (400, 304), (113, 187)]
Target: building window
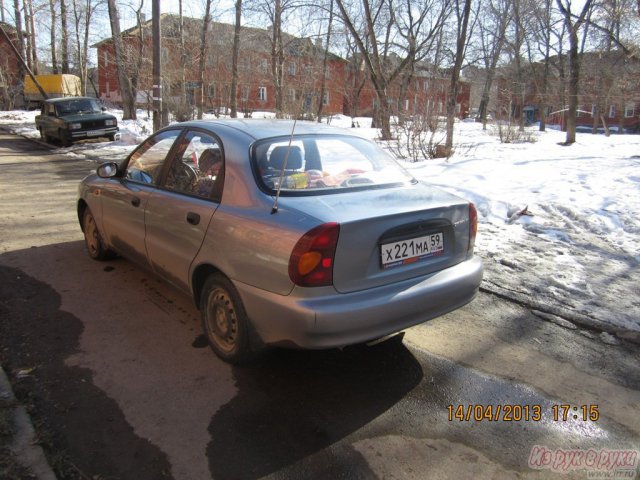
[(425, 85), (292, 68), (211, 90), (629, 110), (325, 98), (105, 58), (245, 92), (612, 111), (579, 111), (165, 55), (292, 95), (263, 65), (107, 87), (262, 94), (245, 63), (594, 109)]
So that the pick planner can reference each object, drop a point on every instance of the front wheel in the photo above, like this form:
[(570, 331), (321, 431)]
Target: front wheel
[(224, 320), (92, 238), (64, 141)]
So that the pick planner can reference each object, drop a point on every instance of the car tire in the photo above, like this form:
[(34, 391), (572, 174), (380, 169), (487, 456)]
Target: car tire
[(111, 138), (92, 239), (45, 138), (63, 139), (224, 320)]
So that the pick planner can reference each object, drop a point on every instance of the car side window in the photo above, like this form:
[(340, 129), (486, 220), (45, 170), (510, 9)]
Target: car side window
[(145, 164), (199, 168)]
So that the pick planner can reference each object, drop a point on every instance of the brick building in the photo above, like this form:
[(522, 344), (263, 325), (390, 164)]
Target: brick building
[(609, 92), (347, 88), (301, 68), (10, 69)]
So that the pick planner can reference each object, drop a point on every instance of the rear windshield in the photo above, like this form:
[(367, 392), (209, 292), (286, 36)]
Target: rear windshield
[(324, 164)]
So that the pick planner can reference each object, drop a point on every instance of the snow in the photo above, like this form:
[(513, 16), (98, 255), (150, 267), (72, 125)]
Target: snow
[(576, 257)]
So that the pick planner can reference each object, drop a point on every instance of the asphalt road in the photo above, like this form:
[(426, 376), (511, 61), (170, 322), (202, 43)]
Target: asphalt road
[(121, 384)]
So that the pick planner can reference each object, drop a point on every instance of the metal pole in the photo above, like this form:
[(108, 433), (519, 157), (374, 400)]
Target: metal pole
[(157, 67)]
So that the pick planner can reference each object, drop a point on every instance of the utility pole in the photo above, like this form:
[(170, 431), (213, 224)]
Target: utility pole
[(157, 67)]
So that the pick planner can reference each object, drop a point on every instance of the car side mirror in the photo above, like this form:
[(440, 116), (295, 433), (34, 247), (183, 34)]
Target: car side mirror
[(107, 170), (104, 109)]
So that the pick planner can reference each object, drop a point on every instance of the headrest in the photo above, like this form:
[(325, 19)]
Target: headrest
[(294, 162), (208, 158)]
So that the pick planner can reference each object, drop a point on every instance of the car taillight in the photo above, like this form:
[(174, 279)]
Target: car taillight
[(473, 226), (311, 261)]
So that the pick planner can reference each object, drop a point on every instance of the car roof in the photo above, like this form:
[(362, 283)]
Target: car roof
[(66, 99), (268, 128)]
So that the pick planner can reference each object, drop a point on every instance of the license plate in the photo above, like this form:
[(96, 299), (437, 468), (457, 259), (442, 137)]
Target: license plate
[(411, 250), (95, 133)]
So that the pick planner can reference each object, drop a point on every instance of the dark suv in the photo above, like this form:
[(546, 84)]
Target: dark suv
[(75, 118)]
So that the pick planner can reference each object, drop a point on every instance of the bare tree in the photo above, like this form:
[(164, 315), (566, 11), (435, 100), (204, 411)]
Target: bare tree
[(64, 37), (379, 39), (83, 13), (128, 99), (462, 14), (539, 42), (54, 41), (574, 25), (325, 58), (203, 55), (492, 30), (32, 55)]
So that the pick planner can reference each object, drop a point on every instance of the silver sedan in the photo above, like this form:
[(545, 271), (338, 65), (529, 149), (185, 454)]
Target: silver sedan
[(285, 234)]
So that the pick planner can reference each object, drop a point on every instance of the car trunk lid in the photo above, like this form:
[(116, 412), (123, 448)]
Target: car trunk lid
[(390, 235)]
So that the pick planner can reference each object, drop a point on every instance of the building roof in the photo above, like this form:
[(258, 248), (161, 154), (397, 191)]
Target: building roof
[(221, 34)]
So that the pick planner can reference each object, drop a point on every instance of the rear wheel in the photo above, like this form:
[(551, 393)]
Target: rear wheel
[(224, 320), (92, 238)]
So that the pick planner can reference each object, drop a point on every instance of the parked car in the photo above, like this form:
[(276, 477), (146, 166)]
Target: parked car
[(75, 118), (311, 239)]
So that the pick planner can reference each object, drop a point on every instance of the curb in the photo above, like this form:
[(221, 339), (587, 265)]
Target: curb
[(24, 444)]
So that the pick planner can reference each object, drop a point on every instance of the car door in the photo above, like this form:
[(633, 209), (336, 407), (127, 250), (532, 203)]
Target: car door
[(124, 202), (178, 214)]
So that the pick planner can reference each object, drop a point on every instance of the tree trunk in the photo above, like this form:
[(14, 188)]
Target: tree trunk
[(234, 59), (64, 37), (128, 100), (574, 64), (323, 82), (19, 34), (455, 73), (203, 55), (54, 40), (29, 36), (277, 57)]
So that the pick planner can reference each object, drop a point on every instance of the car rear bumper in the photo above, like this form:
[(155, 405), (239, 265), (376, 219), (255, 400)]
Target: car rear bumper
[(330, 319)]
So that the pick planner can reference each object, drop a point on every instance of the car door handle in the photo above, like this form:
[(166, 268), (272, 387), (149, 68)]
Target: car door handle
[(135, 201), (193, 218)]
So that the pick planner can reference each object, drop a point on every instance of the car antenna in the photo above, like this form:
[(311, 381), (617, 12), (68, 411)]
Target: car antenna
[(274, 209)]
